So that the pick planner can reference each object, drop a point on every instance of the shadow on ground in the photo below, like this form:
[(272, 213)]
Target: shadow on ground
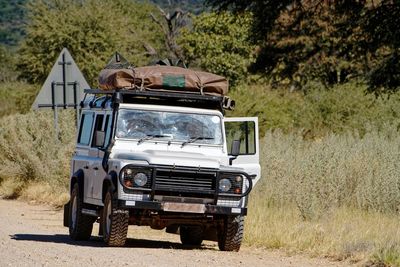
[(98, 242)]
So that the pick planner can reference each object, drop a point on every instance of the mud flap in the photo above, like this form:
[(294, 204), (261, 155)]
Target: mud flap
[(66, 215)]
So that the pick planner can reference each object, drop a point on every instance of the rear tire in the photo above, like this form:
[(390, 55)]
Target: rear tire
[(80, 225), (191, 235), (231, 235), (115, 222)]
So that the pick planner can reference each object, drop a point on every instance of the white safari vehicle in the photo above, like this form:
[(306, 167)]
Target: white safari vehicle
[(165, 160)]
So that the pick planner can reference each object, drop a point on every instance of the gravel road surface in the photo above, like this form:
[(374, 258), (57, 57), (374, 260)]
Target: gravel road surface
[(33, 235)]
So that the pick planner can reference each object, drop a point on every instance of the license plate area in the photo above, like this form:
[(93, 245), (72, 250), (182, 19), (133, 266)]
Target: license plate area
[(184, 207)]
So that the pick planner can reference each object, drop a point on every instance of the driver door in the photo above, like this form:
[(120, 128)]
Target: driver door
[(244, 129)]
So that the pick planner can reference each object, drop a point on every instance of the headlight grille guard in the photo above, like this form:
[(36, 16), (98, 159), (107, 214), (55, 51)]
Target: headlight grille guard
[(229, 175)]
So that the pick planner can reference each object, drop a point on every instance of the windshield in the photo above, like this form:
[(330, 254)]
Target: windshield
[(171, 126)]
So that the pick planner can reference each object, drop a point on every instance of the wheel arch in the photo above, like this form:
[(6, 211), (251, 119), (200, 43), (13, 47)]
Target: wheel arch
[(110, 180), (78, 177)]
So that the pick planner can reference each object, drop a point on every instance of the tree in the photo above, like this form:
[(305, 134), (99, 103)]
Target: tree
[(381, 28), (219, 43), (91, 29), (330, 40), (171, 26)]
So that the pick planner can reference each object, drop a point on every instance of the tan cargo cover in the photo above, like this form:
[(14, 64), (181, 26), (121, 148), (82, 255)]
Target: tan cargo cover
[(164, 78)]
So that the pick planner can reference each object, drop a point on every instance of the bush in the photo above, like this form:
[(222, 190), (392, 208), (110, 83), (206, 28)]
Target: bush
[(31, 154), (318, 111), (334, 171), (16, 97), (337, 196)]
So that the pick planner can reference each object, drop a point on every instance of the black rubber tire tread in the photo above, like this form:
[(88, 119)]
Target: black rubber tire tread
[(119, 223), (230, 238), (84, 223), (191, 235)]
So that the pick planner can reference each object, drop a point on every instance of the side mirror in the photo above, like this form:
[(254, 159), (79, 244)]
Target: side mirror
[(99, 138), (235, 150)]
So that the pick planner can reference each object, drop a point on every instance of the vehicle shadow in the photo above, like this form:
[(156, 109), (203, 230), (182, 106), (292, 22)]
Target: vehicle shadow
[(98, 242)]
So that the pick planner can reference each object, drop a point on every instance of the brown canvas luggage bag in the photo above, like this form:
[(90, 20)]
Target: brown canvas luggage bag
[(164, 78)]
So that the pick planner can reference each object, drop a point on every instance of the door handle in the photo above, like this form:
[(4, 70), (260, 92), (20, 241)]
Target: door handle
[(86, 167), (96, 168)]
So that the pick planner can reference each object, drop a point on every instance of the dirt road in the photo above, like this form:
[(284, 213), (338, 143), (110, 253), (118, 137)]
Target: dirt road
[(32, 235)]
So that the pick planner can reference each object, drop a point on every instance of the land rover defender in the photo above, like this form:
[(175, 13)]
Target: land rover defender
[(168, 160)]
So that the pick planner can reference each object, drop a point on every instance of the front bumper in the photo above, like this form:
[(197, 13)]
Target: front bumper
[(162, 207)]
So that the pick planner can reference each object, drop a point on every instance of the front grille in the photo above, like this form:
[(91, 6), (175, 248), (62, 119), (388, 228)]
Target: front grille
[(184, 181)]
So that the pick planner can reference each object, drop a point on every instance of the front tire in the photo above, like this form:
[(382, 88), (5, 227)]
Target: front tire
[(191, 235), (80, 225), (231, 234), (115, 222)]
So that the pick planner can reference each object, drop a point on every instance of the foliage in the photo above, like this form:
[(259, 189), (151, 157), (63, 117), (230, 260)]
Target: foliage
[(7, 67), (381, 28), (31, 154), (219, 43), (335, 196), (16, 97), (342, 108), (92, 30), (331, 41), (12, 18), (192, 6)]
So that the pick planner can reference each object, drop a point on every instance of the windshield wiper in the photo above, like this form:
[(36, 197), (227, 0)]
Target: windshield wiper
[(194, 139), (151, 136)]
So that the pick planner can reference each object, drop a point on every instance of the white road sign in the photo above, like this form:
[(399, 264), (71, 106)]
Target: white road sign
[(64, 86)]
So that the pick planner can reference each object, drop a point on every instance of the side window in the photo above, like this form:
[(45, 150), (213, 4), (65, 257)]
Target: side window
[(85, 131), (98, 127), (107, 130), (243, 131)]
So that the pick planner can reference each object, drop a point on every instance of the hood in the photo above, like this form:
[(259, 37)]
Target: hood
[(157, 157)]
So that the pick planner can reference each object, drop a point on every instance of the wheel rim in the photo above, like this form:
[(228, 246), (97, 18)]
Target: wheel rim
[(74, 212), (108, 219)]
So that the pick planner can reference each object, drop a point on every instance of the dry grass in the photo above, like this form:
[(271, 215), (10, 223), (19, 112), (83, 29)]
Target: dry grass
[(33, 160), (338, 196)]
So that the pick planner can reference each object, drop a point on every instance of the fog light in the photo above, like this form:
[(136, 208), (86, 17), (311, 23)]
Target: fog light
[(140, 179), (224, 185)]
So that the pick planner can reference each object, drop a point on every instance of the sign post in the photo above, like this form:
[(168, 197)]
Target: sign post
[(63, 87)]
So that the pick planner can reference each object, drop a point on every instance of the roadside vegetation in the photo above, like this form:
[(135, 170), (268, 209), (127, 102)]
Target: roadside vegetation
[(337, 196), (323, 80)]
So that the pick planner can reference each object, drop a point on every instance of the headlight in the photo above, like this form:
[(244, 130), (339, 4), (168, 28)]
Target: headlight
[(135, 177), (224, 185), (140, 179), (231, 183)]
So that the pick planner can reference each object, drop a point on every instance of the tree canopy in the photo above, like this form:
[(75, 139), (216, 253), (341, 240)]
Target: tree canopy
[(92, 30), (219, 43), (330, 40)]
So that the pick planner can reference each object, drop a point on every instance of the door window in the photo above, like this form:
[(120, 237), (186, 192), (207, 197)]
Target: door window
[(243, 131), (107, 130), (85, 128)]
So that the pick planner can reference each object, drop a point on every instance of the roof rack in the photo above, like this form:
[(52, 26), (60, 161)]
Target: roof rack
[(167, 98)]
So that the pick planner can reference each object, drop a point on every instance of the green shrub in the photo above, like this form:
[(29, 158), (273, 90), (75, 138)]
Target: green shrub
[(31, 153), (318, 111), (16, 97)]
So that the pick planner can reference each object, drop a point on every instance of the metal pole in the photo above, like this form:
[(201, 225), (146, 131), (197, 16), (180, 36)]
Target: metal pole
[(64, 81), (54, 106), (76, 104)]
